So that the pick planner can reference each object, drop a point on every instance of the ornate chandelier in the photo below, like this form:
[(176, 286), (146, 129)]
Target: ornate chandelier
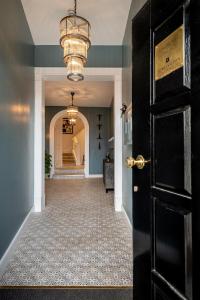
[(72, 111), (74, 39)]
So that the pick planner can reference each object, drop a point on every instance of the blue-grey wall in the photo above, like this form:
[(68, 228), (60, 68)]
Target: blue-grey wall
[(96, 156), (98, 56), (127, 98), (16, 120)]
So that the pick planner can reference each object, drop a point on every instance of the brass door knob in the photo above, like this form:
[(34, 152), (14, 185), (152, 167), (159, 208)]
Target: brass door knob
[(139, 162)]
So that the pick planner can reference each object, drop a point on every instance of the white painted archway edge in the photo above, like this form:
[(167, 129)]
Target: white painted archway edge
[(59, 115), (44, 74)]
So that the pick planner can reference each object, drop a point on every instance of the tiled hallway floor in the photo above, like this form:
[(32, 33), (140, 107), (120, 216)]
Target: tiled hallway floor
[(77, 240)]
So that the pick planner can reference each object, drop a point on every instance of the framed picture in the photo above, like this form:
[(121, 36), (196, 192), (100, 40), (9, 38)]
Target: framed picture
[(67, 128), (127, 126)]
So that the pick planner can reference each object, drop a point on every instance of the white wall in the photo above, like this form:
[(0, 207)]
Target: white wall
[(67, 143)]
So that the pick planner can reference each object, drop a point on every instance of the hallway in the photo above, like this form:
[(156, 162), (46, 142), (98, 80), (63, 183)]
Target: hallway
[(78, 240)]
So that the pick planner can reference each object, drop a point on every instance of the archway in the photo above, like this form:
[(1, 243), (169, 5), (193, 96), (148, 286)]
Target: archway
[(59, 115)]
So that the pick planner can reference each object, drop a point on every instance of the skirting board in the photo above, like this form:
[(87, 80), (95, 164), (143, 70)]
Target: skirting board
[(5, 259), (95, 176), (127, 218)]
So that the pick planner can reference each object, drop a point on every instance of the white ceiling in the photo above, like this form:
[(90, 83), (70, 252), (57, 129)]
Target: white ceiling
[(107, 18), (87, 93)]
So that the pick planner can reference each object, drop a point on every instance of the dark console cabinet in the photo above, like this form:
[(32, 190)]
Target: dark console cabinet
[(108, 175)]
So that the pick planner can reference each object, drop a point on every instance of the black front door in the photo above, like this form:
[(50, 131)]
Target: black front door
[(166, 115)]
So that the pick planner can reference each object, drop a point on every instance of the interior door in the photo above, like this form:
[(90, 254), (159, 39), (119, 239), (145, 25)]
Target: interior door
[(166, 119)]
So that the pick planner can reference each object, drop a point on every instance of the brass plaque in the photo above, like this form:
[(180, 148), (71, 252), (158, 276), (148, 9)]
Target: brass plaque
[(169, 54)]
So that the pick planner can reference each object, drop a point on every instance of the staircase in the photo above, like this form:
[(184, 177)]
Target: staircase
[(69, 169), (69, 173), (68, 159)]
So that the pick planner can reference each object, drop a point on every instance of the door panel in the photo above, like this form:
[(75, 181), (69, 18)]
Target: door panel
[(173, 151), (173, 245), (178, 80)]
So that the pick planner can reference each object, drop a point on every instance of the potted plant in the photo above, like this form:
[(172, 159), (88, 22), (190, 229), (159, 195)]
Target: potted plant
[(48, 164)]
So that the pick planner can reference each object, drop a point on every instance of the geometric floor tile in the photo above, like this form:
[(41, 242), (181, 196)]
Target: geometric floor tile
[(77, 240)]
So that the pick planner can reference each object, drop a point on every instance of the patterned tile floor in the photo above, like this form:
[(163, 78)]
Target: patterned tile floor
[(78, 240)]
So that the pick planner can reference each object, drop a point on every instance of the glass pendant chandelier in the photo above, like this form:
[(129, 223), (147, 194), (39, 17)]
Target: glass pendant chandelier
[(74, 39), (72, 112)]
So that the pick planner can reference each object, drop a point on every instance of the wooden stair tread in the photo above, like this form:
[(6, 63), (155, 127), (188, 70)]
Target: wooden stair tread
[(68, 158)]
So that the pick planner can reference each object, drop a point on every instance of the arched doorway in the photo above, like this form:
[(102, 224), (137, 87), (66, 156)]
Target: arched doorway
[(60, 115)]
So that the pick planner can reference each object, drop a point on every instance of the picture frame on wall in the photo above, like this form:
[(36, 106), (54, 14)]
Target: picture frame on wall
[(127, 126), (67, 128)]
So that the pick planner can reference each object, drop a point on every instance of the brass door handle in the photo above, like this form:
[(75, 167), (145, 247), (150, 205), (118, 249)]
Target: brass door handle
[(139, 162)]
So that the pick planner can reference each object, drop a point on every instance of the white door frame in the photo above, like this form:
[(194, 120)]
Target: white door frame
[(59, 115), (44, 74)]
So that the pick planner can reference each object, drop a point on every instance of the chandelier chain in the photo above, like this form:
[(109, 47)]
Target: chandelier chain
[(75, 6), (72, 94)]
